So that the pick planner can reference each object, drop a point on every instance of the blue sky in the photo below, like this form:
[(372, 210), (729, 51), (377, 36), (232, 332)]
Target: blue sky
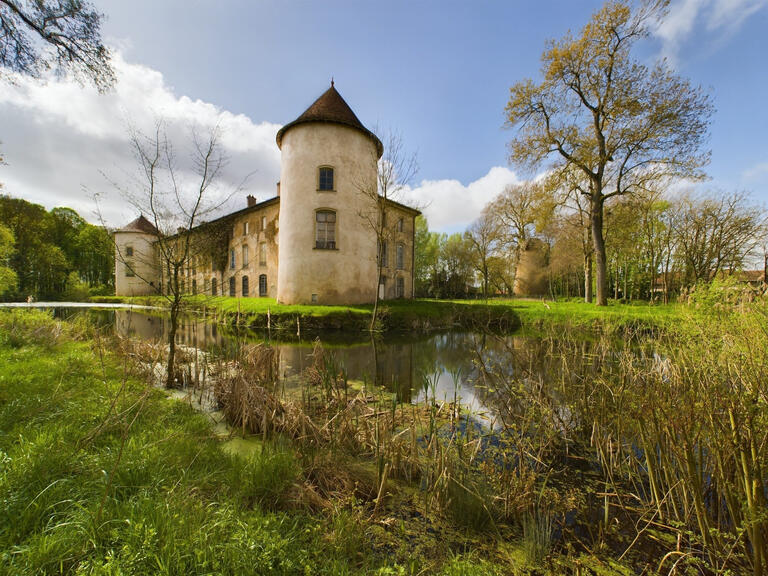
[(438, 72)]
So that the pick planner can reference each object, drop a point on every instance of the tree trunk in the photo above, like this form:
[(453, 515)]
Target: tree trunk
[(174, 318), (598, 243), (588, 278)]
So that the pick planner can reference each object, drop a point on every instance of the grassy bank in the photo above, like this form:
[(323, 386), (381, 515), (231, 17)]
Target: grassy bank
[(501, 315), (394, 315), (102, 473)]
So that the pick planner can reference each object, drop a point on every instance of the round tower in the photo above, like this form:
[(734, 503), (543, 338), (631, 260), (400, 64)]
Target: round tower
[(327, 249), (137, 272)]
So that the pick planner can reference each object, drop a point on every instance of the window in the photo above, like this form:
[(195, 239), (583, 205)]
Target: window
[(232, 259), (325, 178), (262, 285), (263, 223), (263, 254), (401, 287), (384, 254), (231, 285), (129, 251), (129, 273), (213, 286), (400, 225), (245, 255), (400, 256), (245, 286), (245, 228), (325, 229)]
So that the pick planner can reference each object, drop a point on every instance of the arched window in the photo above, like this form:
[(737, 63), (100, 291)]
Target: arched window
[(325, 179), (231, 285), (213, 286), (245, 286), (325, 229), (262, 285)]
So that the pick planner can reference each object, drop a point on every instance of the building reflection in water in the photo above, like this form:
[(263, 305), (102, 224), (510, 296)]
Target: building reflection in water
[(443, 365)]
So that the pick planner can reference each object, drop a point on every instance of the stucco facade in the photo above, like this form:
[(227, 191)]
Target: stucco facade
[(316, 241)]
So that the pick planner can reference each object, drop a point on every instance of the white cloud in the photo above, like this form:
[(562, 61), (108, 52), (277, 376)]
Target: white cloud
[(58, 137), (686, 18), (451, 206), (756, 173)]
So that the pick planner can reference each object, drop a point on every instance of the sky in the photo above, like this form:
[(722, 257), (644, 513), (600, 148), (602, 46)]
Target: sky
[(437, 72)]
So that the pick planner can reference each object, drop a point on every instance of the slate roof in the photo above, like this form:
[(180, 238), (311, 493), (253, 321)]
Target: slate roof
[(331, 108), (141, 224)]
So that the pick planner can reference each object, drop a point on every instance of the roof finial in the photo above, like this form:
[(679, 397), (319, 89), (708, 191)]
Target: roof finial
[(331, 81)]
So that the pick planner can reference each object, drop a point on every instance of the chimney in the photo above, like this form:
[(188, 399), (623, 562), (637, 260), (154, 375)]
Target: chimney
[(251, 200), (278, 189)]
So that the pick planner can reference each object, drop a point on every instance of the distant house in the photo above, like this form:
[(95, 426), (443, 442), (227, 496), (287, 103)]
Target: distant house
[(308, 244)]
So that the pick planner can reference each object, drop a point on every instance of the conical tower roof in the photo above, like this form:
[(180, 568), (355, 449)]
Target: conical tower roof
[(141, 224), (331, 108)]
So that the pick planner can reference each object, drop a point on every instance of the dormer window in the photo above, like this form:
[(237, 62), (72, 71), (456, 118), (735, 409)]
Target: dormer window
[(325, 179)]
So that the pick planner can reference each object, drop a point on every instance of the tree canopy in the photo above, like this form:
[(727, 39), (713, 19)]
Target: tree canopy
[(622, 124), (63, 35)]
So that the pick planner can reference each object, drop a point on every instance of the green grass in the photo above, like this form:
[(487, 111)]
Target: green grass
[(143, 487), (102, 474), (425, 315)]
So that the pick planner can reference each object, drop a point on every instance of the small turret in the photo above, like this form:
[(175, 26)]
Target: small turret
[(137, 271)]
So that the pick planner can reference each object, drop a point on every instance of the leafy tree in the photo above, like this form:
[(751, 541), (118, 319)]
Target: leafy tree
[(8, 277), (485, 240), (38, 35), (622, 124), (457, 268)]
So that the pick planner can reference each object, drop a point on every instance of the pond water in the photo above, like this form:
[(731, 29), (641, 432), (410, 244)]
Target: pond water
[(443, 365)]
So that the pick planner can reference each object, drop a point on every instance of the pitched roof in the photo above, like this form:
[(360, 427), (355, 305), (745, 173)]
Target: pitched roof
[(331, 108), (141, 224)]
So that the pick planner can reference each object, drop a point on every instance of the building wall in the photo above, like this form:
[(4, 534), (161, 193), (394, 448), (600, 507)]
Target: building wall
[(394, 235), (346, 274), (137, 274), (259, 231)]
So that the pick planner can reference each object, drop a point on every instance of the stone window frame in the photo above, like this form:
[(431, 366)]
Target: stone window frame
[(245, 228), (326, 242), (128, 251), (262, 253), (400, 287), (232, 261), (245, 289), (244, 254), (400, 256), (263, 288), (320, 184), (384, 254)]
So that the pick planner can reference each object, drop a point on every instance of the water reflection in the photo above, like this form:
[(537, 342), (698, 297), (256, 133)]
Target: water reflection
[(443, 366)]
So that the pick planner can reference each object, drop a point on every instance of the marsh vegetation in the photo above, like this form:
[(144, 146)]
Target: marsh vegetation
[(580, 452)]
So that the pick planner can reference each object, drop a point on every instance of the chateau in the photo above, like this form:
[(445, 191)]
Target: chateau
[(316, 241)]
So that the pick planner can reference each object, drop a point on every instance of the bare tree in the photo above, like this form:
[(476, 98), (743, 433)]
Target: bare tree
[(37, 35), (396, 169), (177, 200), (715, 233)]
